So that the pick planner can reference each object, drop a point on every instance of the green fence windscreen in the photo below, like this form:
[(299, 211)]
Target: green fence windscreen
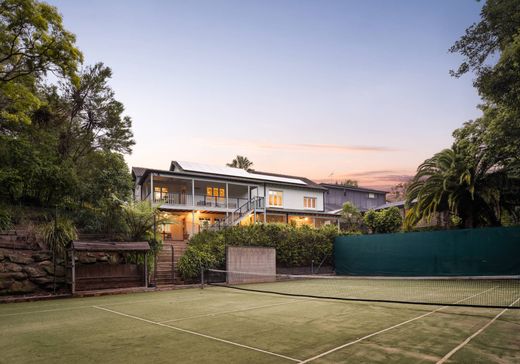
[(468, 252)]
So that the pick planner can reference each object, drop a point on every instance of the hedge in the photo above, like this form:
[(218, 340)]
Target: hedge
[(295, 246)]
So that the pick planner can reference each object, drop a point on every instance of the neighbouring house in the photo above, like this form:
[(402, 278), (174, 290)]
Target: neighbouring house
[(194, 197), (363, 198)]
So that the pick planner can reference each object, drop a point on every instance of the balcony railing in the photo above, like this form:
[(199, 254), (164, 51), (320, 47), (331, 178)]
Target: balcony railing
[(183, 199)]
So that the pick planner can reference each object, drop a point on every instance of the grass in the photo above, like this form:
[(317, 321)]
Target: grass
[(219, 324)]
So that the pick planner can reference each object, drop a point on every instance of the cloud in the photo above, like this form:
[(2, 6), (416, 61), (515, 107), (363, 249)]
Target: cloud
[(383, 179), (305, 146), (332, 147)]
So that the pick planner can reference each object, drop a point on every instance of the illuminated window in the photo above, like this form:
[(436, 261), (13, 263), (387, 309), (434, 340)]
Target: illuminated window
[(276, 198), (215, 192), (371, 195), (309, 202), (160, 193)]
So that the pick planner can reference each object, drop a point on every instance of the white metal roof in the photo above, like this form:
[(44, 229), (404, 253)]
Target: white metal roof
[(234, 172)]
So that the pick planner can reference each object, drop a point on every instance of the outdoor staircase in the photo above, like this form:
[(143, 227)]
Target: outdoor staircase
[(166, 272), (234, 218)]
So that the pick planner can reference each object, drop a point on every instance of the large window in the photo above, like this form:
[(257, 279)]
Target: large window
[(276, 198), (160, 193), (309, 202)]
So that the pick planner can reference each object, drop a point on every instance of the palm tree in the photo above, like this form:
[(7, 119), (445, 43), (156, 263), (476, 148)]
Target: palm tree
[(470, 188), (241, 162)]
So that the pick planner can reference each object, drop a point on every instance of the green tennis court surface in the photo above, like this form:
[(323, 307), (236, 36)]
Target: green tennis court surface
[(223, 325)]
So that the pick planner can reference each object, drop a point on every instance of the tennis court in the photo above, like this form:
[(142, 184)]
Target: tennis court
[(221, 324)]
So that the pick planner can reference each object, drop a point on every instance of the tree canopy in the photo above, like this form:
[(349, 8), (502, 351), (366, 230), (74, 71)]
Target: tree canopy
[(240, 162), (62, 143), (478, 178), (32, 43)]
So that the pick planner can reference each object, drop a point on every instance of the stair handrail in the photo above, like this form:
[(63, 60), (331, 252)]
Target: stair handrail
[(252, 204)]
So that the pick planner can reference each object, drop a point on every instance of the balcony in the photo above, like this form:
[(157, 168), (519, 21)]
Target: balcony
[(199, 201)]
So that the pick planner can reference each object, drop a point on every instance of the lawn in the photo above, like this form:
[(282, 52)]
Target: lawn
[(223, 325)]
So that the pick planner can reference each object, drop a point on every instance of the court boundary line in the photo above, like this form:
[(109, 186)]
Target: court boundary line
[(102, 304), (85, 306), (230, 311), (387, 329), (475, 334), (199, 334)]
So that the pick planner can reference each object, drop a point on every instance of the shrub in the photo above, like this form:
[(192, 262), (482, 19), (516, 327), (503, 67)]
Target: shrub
[(295, 246), (57, 234), (384, 221), (5, 220), (352, 218)]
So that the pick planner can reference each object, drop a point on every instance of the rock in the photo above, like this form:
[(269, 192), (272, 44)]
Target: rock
[(19, 258), (34, 272), (23, 287), (6, 283), (41, 256), (43, 280), (47, 266), (9, 267), (103, 259), (87, 259), (2, 256), (13, 275)]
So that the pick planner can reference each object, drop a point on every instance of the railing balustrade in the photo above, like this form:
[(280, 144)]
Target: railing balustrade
[(184, 199)]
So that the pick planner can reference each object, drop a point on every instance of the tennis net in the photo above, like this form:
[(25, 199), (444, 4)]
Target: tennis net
[(485, 291)]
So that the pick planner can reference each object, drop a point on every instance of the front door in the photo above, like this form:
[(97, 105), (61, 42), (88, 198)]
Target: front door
[(177, 228)]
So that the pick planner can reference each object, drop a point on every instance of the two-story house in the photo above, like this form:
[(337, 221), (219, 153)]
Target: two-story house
[(194, 196)]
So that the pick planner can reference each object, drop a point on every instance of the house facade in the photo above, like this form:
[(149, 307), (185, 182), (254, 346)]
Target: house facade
[(193, 197), (363, 198)]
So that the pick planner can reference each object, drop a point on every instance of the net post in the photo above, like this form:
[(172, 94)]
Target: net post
[(201, 277)]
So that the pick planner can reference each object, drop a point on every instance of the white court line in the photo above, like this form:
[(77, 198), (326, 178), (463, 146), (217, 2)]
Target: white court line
[(166, 299), (462, 344), (198, 334), (389, 328), (231, 311)]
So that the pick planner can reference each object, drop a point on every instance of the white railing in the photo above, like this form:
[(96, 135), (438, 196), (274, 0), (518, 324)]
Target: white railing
[(201, 201)]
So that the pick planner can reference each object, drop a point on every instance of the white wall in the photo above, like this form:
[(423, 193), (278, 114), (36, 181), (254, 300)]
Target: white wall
[(293, 197)]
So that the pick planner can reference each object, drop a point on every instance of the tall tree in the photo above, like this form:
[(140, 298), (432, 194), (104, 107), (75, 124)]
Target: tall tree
[(240, 162), (491, 49), (478, 178), (92, 119), (32, 43)]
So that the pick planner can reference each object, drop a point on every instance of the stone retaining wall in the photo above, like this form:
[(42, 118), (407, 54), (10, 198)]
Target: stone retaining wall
[(28, 271), (32, 271)]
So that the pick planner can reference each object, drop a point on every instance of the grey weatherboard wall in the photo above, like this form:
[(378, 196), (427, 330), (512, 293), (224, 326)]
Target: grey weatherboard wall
[(467, 252), (336, 196)]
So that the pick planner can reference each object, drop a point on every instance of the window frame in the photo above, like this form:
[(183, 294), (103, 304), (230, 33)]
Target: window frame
[(275, 198), (160, 192), (309, 202)]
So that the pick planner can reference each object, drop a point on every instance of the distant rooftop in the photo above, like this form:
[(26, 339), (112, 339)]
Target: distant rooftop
[(352, 188)]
